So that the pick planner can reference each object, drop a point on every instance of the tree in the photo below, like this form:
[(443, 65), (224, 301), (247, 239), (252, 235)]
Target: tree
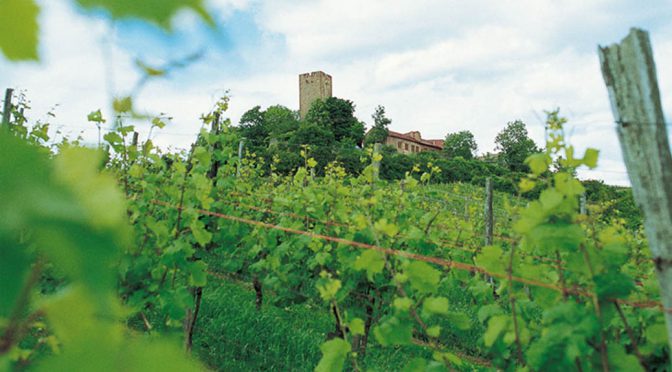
[(253, 127), (514, 146), (337, 115), (379, 132), (460, 144), (280, 121)]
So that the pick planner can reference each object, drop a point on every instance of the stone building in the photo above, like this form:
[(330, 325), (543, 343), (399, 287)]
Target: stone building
[(411, 142), (313, 86)]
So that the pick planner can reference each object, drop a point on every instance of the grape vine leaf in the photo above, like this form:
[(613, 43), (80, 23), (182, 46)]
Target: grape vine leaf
[(19, 29), (435, 305), (422, 276), (159, 12), (371, 261), (394, 331), (334, 353)]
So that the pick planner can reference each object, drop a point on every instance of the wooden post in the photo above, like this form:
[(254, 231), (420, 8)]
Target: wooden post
[(582, 204), (630, 76), (488, 217), (376, 163), (7, 108), (240, 157), (134, 143)]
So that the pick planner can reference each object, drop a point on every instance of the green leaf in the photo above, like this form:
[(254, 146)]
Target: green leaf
[(526, 185), (95, 116), (356, 326), (612, 284), (202, 236), (447, 356), (371, 261), (328, 288), (14, 265), (19, 29), (550, 199), (415, 365), (78, 169), (590, 158), (656, 334), (435, 305), (394, 331), (148, 70), (619, 360), (198, 274), (123, 104), (496, 325), (423, 277), (159, 12), (388, 229), (568, 185), (157, 122), (434, 331), (334, 353), (538, 163), (402, 304), (560, 236), (490, 258), (113, 138)]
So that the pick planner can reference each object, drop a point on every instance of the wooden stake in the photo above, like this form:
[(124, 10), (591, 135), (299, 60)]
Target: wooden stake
[(376, 163), (240, 157), (7, 108), (488, 216), (630, 76)]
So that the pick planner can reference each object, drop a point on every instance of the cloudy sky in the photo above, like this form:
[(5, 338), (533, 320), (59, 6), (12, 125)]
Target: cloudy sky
[(437, 66)]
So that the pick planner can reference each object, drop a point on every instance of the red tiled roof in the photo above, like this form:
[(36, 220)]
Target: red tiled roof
[(435, 143)]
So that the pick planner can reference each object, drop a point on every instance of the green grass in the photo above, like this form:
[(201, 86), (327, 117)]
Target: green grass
[(232, 335)]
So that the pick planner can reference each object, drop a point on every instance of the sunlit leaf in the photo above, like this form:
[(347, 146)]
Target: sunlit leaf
[(19, 29)]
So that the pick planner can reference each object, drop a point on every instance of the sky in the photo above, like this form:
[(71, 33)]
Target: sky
[(437, 66)]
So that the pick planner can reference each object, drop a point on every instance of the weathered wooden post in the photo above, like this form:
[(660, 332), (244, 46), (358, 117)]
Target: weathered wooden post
[(488, 217), (630, 76), (7, 107), (240, 156), (134, 143), (582, 204), (376, 161)]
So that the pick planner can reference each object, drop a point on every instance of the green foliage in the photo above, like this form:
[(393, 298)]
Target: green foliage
[(19, 29), (460, 144), (66, 213), (337, 115), (379, 131), (439, 314), (334, 353), (514, 146)]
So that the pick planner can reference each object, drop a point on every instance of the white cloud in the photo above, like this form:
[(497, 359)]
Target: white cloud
[(436, 65)]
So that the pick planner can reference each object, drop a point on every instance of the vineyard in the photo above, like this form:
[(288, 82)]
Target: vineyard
[(127, 256), (334, 272)]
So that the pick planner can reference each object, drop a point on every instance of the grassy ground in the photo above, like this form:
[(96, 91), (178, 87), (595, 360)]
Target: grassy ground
[(232, 335)]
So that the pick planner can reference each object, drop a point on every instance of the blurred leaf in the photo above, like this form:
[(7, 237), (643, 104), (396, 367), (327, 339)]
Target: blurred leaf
[(371, 261), (334, 353), (422, 276), (19, 29), (435, 305), (159, 12), (356, 326), (590, 158), (394, 331), (123, 104)]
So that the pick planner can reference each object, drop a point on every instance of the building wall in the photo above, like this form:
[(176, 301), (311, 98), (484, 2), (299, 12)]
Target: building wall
[(313, 86), (407, 147)]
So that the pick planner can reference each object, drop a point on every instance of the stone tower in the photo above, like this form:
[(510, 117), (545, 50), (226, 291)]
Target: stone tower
[(312, 86)]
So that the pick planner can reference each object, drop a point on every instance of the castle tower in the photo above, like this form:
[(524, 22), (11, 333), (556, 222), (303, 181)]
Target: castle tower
[(312, 86)]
